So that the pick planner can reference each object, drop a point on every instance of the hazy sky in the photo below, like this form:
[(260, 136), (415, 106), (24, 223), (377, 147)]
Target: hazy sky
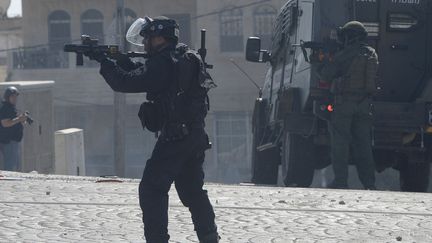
[(15, 8)]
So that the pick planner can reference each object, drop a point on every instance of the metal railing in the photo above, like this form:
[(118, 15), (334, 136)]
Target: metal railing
[(41, 58)]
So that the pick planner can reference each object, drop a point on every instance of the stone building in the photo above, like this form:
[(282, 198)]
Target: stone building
[(229, 23), (83, 100), (10, 37)]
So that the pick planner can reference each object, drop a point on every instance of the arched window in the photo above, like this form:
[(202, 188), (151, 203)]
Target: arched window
[(59, 29), (59, 33), (130, 17), (264, 17), (92, 24), (231, 29)]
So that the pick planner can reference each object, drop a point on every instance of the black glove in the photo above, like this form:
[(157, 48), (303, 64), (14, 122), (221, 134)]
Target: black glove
[(125, 62), (97, 56)]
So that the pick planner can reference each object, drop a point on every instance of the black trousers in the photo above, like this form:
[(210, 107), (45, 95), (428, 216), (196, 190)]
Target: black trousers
[(180, 162)]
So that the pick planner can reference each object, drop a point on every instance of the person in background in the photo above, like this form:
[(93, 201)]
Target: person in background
[(352, 74), (11, 129)]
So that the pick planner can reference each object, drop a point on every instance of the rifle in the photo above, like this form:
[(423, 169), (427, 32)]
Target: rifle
[(90, 45), (203, 51), (320, 51)]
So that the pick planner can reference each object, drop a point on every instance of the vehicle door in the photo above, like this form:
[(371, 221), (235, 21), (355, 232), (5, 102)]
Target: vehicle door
[(398, 31)]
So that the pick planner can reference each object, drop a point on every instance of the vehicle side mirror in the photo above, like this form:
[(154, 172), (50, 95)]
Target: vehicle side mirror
[(254, 52)]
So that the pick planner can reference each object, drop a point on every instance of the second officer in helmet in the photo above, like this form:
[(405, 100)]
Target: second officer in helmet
[(352, 74), (177, 105)]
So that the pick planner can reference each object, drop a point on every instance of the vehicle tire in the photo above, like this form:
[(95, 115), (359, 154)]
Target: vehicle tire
[(265, 166), (414, 177), (297, 160), (322, 157)]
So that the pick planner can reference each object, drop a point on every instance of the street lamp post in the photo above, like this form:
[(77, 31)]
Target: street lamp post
[(120, 102)]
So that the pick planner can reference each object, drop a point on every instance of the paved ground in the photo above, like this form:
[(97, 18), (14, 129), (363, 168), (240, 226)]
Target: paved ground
[(38, 208)]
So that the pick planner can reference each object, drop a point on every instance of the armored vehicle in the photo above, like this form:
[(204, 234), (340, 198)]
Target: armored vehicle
[(289, 119)]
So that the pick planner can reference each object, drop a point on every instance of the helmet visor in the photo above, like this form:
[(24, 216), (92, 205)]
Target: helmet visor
[(133, 34)]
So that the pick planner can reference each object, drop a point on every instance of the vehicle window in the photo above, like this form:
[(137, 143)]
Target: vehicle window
[(372, 28), (282, 26), (401, 21), (305, 30), (264, 17)]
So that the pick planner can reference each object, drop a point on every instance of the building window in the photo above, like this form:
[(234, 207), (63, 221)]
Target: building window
[(59, 33), (231, 29), (92, 24), (130, 17), (59, 29), (264, 17), (232, 146)]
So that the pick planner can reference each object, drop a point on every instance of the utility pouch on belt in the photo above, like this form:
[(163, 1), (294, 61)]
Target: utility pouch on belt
[(151, 116), (174, 132)]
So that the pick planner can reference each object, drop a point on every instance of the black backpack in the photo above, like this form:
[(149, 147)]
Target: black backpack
[(185, 59)]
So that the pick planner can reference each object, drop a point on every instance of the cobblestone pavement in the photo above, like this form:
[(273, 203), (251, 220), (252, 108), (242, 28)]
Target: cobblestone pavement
[(39, 208)]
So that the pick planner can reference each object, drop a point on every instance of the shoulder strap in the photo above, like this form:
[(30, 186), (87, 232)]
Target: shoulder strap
[(184, 69)]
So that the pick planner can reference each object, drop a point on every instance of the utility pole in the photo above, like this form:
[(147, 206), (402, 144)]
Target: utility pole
[(120, 102)]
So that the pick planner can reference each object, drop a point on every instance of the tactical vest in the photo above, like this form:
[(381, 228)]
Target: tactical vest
[(186, 101), (361, 75)]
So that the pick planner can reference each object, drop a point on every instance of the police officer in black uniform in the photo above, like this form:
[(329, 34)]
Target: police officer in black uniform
[(177, 106)]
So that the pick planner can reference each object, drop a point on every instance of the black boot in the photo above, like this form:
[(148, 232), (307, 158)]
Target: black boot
[(335, 185), (210, 238), (370, 188)]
